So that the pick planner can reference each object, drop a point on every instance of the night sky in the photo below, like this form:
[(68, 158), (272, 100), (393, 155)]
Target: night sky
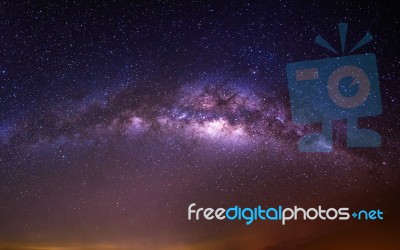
[(115, 116)]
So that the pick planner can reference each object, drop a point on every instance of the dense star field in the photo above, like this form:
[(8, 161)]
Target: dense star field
[(114, 117)]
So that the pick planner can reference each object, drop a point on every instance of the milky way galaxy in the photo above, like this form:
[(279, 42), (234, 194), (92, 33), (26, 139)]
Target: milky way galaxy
[(116, 116)]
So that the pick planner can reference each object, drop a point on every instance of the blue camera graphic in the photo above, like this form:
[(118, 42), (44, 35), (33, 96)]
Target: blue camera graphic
[(325, 90)]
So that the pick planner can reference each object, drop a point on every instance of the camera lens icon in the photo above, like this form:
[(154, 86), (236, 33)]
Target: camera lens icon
[(325, 90), (359, 77), (320, 92)]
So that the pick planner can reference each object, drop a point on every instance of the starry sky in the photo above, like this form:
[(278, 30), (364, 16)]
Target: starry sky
[(115, 116)]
